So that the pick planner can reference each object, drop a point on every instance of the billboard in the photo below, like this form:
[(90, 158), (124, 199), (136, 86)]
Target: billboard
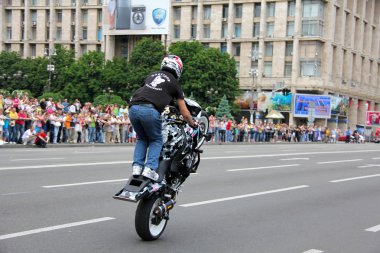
[(339, 106), (274, 101), (135, 17), (320, 105), (373, 118)]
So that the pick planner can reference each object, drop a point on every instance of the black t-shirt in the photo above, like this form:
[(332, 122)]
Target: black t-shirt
[(159, 89)]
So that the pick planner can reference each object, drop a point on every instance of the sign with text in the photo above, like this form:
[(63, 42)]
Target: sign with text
[(320, 103), (373, 118), (135, 17)]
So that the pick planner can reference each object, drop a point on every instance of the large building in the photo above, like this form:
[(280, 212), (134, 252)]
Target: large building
[(329, 47)]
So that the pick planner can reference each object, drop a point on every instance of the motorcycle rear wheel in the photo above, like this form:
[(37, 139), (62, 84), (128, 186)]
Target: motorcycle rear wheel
[(203, 125), (145, 220)]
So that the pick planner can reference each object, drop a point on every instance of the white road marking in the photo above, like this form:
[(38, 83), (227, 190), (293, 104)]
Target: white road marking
[(295, 158), (266, 167), (36, 159), (354, 178), (373, 229), (341, 161), (63, 165), (289, 154), (242, 151), (92, 152), (243, 196), (46, 229), (376, 158), (86, 183), (369, 166), (314, 251)]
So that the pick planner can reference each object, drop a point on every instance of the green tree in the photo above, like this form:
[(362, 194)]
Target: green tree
[(108, 99), (63, 59), (224, 109), (145, 58), (115, 76), (55, 95)]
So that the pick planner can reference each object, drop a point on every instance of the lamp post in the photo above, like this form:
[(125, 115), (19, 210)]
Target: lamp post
[(254, 55), (50, 67), (108, 91)]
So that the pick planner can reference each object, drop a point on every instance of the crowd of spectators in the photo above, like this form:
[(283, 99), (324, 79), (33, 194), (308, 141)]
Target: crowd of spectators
[(25, 120), (227, 130)]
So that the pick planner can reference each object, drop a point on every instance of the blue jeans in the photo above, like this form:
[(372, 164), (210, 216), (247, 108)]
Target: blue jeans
[(100, 136), (55, 135), (6, 134), (20, 129), (12, 134), (146, 121), (91, 134)]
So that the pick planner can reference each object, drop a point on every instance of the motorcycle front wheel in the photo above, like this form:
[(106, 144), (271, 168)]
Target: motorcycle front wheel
[(148, 226)]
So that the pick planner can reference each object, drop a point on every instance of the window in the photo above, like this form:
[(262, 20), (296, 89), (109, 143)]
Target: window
[(271, 8), (236, 49), (269, 49), (206, 45), (290, 28), (84, 33), (237, 68), (289, 48), (288, 69), (100, 17), (58, 33), (85, 16), (9, 33), (310, 68), (224, 30), (267, 69), (238, 10), (177, 13), (225, 11), (312, 9), (8, 16), (255, 51), (223, 47), (194, 12), (270, 29), (33, 35), (257, 10), (83, 49), (33, 50), (177, 31), (34, 16), (193, 31), (59, 16), (256, 29), (237, 30), (206, 31), (291, 8), (99, 33), (85, 2), (312, 28), (34, 2), (207, 12)]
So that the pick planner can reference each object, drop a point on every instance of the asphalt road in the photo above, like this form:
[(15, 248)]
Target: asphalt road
[(293, 198)]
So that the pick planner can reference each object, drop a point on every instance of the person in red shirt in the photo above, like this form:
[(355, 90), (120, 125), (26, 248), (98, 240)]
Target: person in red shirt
[(20, 125), (42, 139)]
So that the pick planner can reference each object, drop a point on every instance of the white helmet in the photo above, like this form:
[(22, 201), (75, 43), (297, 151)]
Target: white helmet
[(172, 64)]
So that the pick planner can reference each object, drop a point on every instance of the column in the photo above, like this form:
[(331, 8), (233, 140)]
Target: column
[(362, 112), (377, 107), (52, 24), (2, 22), (353, 113), (78, 25), (199, 20), (27, 30), (230, 26), (109, 46)]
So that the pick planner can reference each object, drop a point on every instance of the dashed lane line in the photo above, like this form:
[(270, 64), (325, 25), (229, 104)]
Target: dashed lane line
[(37, 159), (244, 196), (266, 167), (85, 183), (341, 161), (354, 178), (63, 165), (314, 251), (374, 229), (295, 158), (47, 229), (369, 166)]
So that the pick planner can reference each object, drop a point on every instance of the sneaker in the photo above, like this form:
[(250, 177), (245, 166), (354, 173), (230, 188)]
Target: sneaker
[(149, 173), (136, 170)]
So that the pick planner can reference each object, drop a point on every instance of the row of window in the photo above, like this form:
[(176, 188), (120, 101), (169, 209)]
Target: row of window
[(47, 2), (58, 34)]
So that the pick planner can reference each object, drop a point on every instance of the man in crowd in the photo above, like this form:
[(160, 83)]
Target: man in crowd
[(29, 136), (41, 139)]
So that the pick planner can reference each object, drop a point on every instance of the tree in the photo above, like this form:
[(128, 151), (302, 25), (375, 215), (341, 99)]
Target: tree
[(62, 61), (108, 99), (115, 76), (224, 109), (145, 58)]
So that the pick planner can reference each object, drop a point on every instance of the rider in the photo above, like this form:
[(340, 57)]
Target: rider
[(146, 106)]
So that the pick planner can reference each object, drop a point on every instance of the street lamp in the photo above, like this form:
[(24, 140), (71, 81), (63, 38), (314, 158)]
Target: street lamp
[(254, 73), (108, 91), (50, 67)]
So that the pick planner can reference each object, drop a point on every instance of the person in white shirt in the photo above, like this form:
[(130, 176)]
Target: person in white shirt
[(29, 136)]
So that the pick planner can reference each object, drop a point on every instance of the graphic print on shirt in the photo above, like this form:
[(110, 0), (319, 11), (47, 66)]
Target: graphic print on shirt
[(156, 81)]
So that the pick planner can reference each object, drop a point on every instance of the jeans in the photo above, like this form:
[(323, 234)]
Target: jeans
[(146, 121), (6, 134), (100, 136), (19, 129), (12, 134), (55, 135), (91, 134)]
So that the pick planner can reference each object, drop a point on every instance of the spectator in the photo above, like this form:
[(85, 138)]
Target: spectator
[(12, 125), (41, 139), (29, 136)]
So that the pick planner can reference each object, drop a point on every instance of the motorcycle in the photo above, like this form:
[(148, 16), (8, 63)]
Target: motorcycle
[(179, 157)]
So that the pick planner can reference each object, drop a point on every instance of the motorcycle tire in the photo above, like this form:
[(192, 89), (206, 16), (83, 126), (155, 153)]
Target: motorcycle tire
[(203, 125), (144, 219)]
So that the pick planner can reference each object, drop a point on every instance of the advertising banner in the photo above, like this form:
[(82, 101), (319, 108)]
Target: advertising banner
[(274, 101), (128, 17), (339, 106), (319, 104), (373, 118)]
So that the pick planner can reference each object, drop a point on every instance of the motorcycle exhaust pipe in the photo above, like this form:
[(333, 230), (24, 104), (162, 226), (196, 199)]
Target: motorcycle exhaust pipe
[(162, 209)]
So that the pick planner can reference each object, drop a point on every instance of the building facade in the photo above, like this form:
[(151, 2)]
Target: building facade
[(329, 47)]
